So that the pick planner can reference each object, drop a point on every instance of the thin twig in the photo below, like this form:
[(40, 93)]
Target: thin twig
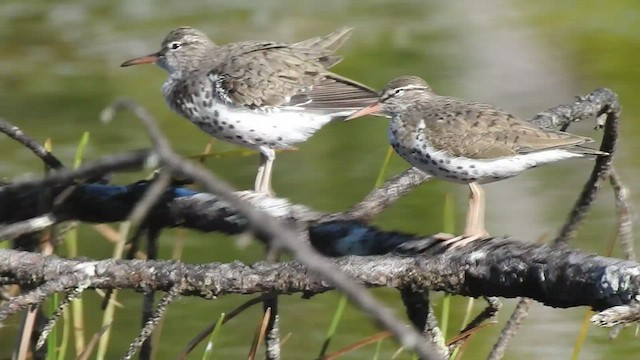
[(420, 312), (357, 345), (147, 302), (12, 231), (150, 198), (147, 330), (511, 328), (598, 174), (432, 331), (493, 306), (393, 189), (625, 214), (75, 293), (272, 331), (15, 133), (36, 296), (260, 333), (63, 177), (84, 355), (617, 315)]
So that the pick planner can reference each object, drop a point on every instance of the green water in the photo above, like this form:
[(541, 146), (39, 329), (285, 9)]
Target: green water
[(60, 66)]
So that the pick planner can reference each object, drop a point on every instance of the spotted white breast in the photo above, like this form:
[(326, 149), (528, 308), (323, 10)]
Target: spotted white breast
[(419, 153)]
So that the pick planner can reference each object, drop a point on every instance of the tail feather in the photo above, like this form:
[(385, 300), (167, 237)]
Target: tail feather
[(586, 151), (330, 42)]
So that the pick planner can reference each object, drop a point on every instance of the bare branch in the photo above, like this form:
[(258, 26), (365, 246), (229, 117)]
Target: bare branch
[(599, 173), (64, 177), (28, 226), (421, 314), (617, 315), (393, 189), (510, 329), (15, 133), (589, 106), (495, 267)]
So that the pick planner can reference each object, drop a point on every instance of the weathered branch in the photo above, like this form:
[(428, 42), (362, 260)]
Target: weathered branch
[(554, 275), (16, 134), (611, 112)]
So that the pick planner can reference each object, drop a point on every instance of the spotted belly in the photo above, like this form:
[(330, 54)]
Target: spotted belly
[(275, 129), (465, 170), (444, 167)]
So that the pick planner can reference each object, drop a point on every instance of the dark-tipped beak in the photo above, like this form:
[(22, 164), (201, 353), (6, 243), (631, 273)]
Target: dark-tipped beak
[(371, 109), (148, 59)]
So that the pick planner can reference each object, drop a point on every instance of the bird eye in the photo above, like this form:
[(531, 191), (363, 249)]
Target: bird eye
[(398, 91), (175, 45)]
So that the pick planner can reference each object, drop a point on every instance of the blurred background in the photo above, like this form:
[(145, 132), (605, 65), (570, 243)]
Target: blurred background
[(60, 67)]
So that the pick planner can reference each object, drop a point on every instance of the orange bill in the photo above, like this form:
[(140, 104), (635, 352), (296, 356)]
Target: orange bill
[(147, 59), (371, 109)]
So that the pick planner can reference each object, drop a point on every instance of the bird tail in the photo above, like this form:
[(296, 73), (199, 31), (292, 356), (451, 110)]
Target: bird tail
[(330, 42), (586, 151)]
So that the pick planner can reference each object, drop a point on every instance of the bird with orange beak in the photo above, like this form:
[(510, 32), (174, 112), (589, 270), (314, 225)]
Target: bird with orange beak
[(263, 95)]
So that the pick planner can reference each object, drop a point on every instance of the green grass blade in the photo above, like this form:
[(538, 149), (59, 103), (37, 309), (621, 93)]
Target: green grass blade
[(467, 313), (446, 310), (64, 343), (582, 335), (383, 169), (212, 339), (109, 312), (71, 241), (52, 341), (378, 347), (82, 145), (337, 316)]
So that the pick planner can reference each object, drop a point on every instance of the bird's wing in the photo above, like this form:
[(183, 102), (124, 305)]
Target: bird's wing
[(482, 131), (281, 75)]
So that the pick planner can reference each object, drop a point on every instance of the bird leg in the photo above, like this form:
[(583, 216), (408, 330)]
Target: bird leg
[(263, 178), (260, 174), (474, 228), (475, 213)]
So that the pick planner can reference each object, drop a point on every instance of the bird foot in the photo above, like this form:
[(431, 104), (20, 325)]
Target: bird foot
[(452, 242), (442, 236), (460, 241), (266, 191)]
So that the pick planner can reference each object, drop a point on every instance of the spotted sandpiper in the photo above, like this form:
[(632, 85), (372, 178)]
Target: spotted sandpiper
[(467, 142), (260, 94)]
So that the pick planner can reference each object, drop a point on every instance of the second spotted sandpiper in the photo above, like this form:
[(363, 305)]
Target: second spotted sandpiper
[(260, 94), (467, 142)]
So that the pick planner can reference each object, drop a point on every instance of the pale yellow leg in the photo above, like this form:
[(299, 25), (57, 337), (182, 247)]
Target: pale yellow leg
[(474, 228), (260, 174), (263, 178), (475, 213)]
